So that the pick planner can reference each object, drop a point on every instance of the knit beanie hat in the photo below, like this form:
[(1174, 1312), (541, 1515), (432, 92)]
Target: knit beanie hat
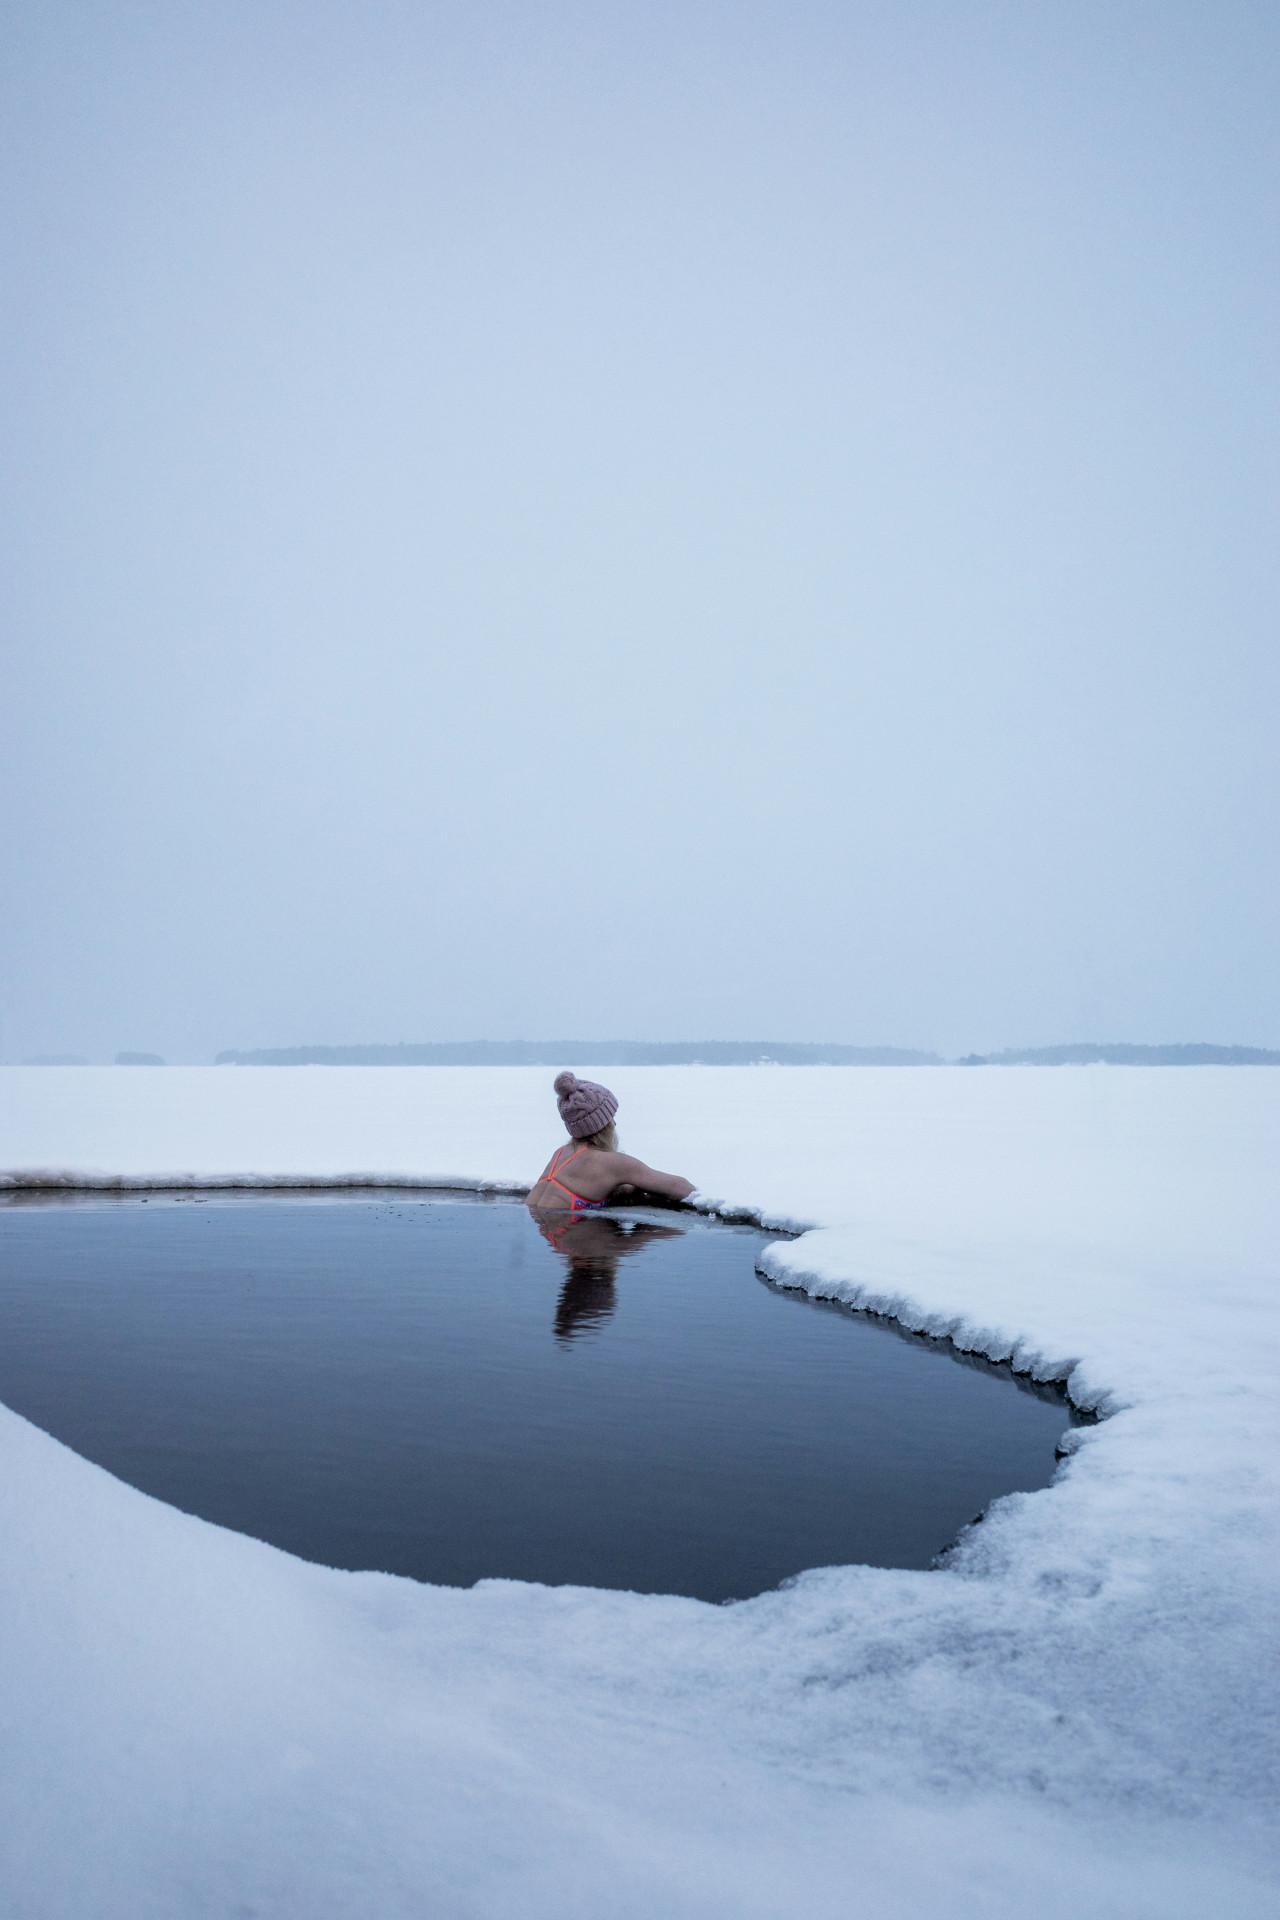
[(584, 1107)]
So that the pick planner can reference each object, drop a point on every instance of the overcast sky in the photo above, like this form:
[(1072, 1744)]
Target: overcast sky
[(692, 521)]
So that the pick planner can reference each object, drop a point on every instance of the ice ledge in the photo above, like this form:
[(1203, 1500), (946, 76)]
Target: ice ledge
[(781, 1264), (85, 1180)]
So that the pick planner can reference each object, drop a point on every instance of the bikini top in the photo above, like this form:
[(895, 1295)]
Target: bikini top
[(577, 1203)]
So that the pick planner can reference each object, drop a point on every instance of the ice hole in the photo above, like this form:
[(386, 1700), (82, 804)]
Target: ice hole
[(429, 1386)]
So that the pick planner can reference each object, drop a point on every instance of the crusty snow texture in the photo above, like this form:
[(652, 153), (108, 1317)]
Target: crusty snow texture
[(1077, 1715)]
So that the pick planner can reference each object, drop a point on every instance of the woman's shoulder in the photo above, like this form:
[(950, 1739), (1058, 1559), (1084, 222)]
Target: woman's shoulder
[(623, 1166)]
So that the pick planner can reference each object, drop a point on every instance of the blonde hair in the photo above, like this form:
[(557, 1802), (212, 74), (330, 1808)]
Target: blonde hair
[(606, 1139)]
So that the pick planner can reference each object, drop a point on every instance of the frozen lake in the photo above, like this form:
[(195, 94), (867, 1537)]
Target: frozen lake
[(427, 1386), (199, 1721)]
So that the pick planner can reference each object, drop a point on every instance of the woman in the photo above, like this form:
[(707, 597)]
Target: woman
[(588, 1170)]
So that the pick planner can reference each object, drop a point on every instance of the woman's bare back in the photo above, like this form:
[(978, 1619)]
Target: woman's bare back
[(593, 1174)]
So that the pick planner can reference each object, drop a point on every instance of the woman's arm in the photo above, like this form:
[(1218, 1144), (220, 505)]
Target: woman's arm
[(627, 1171)]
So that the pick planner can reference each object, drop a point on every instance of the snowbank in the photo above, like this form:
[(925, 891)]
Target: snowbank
[(1077, 1715)]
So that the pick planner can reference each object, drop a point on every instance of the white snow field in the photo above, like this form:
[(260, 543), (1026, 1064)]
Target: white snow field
[(1077, 1716)]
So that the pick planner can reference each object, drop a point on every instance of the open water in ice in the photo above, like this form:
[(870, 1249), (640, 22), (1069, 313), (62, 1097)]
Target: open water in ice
[(428, 1386)]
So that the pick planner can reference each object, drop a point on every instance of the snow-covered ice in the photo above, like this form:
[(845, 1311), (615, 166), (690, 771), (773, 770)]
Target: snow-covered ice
[(1077, 1715)]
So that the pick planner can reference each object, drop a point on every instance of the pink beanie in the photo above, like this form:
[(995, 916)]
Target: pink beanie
[(584, 1107)]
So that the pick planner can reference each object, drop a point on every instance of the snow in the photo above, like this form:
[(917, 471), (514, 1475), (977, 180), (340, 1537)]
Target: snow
[(1077, 1714)]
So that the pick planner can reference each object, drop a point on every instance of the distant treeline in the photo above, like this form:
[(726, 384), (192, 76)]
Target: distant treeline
[(584, 1053), (699, 1053), (727, 1053), (1089, 1053)]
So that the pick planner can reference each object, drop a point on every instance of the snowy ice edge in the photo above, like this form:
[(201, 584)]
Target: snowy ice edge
[(91, 1180), (778, 1264), (782, 1263), (59, 1180)]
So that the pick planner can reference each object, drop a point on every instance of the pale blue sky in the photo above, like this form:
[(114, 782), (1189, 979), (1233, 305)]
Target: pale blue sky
[(665, 522)]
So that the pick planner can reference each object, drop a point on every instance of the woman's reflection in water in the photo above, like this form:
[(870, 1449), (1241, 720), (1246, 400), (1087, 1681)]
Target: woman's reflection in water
[(591, 1247)]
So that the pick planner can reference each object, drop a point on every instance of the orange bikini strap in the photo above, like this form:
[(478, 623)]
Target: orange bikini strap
[(558, 1166)]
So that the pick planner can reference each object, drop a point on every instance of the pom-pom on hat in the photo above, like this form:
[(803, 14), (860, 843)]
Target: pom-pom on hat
[(585, 1107)]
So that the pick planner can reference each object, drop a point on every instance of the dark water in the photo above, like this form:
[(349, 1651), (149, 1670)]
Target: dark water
[(430, 1388)]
